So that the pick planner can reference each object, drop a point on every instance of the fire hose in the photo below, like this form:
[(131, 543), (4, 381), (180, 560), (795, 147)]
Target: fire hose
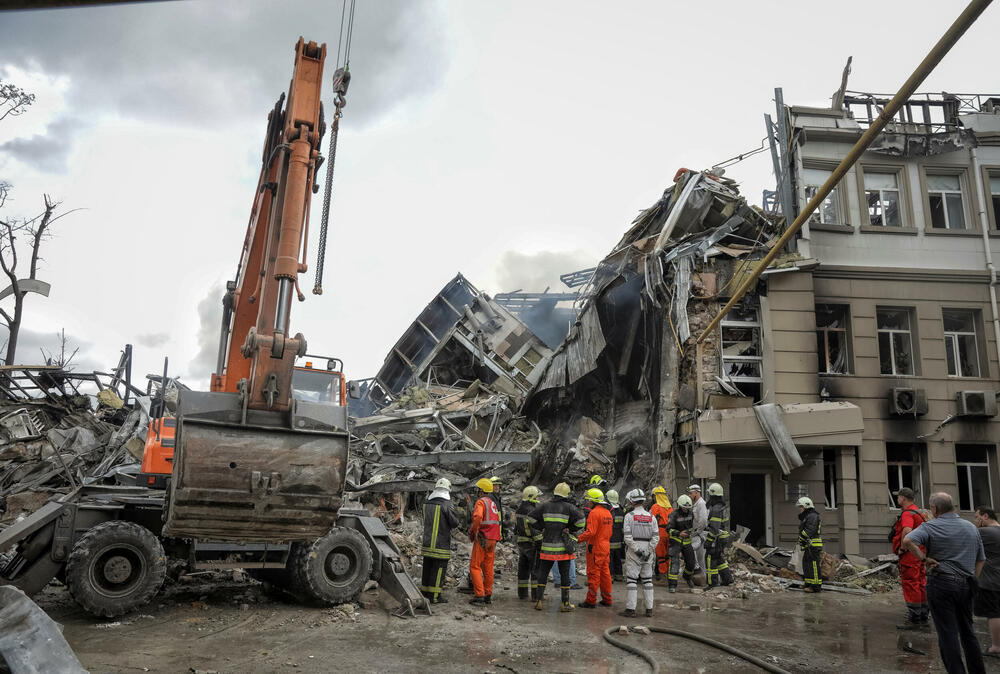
[(635, 650)]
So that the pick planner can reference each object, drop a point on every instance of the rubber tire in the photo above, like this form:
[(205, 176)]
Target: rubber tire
[(140, 543), (308, 566)]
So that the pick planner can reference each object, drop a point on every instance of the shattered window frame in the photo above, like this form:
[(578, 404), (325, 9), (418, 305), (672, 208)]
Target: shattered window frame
[(945, 205), (974, 475), (743, 319), (823, 335), (891, 338), (991, 185), (961, 346), (831, 211), (883, 218), (904, 468)]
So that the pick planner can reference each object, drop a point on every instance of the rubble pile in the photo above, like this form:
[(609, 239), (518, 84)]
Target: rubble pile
[(55, 434)]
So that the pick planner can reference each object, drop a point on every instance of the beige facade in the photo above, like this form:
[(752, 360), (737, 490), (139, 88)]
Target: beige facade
[(891, 309)]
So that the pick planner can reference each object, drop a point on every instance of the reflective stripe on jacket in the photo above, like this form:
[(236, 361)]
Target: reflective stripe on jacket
[(617, 531), (553, 519), (810, 533), (524, 533), (718, 520), (680, 521), (439, 519)]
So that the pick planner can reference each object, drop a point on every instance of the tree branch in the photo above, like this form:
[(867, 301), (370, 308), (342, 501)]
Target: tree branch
[(39, 232)]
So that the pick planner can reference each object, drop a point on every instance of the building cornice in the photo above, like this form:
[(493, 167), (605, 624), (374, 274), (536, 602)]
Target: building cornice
[(901, 274)]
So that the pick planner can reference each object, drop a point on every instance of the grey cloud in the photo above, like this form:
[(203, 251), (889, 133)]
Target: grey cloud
[(46, 152), (209, 321), (153, 340), (535, 272), (208, 63)]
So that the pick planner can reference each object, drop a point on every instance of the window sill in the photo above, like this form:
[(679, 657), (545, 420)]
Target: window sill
[(844, 229), (835, 374), (955, 377), (872, 229), (901, 376), (937, 231)]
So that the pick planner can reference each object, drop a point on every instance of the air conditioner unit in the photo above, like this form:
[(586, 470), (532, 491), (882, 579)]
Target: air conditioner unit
[(907, 401), (976, 403)]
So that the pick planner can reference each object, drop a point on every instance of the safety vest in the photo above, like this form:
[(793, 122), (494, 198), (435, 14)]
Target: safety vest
[(490, 526)]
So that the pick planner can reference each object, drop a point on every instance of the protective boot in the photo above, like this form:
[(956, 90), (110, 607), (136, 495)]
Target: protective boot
[(689, 579), (649, 613), (628, 613), (488, 599), (587, 604), (566, 606), (478, 601), (538, 594), (672, 586), (522, 593)]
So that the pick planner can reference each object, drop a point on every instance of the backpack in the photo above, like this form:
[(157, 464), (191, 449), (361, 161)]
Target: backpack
[(895, 525)]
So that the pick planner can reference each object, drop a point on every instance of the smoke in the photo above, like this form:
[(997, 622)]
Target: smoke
[(209, 323), (534, 272), (153, 340)]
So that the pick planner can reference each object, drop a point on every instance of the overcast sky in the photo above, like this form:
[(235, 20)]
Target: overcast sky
[(510, 141)]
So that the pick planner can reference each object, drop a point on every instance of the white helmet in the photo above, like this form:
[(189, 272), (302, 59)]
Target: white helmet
[(805, 502), (635, 496), (443, 483), (684, 502), (695, 487), (715, 489)]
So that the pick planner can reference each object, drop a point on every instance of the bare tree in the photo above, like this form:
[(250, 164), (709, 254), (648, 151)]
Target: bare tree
[(12, 230), (13, 100)]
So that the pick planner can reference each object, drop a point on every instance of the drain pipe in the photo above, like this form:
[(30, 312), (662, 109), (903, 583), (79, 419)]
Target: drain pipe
[(984, 226)]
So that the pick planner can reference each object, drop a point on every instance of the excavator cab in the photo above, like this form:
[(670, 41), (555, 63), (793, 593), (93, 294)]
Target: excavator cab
[(316, 385)]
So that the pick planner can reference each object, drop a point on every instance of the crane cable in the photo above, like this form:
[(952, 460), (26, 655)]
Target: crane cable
[(341, 78)]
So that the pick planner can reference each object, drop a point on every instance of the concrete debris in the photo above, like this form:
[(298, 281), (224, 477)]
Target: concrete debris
[(60, 429), (30, 641)]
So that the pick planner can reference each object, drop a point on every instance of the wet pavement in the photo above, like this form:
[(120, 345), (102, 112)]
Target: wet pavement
[(236, 627)]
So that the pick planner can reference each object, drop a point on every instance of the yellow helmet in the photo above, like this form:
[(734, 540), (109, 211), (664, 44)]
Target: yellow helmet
[(485, 485), (596, 480), (659, 490), (530, 494), (562, 489), (595, 495)]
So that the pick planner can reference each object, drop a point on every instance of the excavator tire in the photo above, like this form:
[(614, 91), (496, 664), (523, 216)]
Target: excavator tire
[(115, 567), (333, 569)]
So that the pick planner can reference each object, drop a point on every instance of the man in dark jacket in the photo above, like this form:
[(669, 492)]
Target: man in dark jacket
[(560, 522), (717, 538), (811, 544), (439, 519), (679, 525), (617, 537), (529, 543)]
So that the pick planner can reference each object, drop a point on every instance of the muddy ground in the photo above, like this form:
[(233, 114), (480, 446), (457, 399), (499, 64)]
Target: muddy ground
[(205, 625)]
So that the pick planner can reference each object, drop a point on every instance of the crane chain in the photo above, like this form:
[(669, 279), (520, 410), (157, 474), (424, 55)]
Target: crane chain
[(340, 80)]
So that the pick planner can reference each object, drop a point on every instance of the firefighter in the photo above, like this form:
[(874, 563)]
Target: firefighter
[(598, 482), (560, 523), (679, 526), (484, 534), (911, 569), (661, 511), (717, 538), (811, 544), (495, 495), (600, 524), (617, 537), (641, 536), (529, 540), (439, 519)]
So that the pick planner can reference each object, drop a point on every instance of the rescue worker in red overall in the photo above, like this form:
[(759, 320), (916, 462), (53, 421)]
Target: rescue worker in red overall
[(661, 511), (600, 526), (484, 534), (911, 569), (560, 523)]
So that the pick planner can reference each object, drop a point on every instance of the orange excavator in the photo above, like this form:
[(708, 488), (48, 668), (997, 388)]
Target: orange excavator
[(255, 475)]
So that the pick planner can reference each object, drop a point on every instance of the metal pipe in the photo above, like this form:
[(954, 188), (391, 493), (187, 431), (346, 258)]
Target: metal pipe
[(984, 226), (938, 52), (284, 300)]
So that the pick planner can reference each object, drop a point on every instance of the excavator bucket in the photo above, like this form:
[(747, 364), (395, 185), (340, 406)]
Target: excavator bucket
[(273, 477)]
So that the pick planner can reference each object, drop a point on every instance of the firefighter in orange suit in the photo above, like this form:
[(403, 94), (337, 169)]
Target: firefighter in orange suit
[(597, 536), (661, 511), (484, 534)]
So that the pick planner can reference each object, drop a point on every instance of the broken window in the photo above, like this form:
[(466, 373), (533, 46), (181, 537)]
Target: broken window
[(827, 212), (944, 194), (960, 342), (895, 341), (995, 198), (833, 338), (903, 462), (882, 193), (974, 489), (830, 477), (742, 353)]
